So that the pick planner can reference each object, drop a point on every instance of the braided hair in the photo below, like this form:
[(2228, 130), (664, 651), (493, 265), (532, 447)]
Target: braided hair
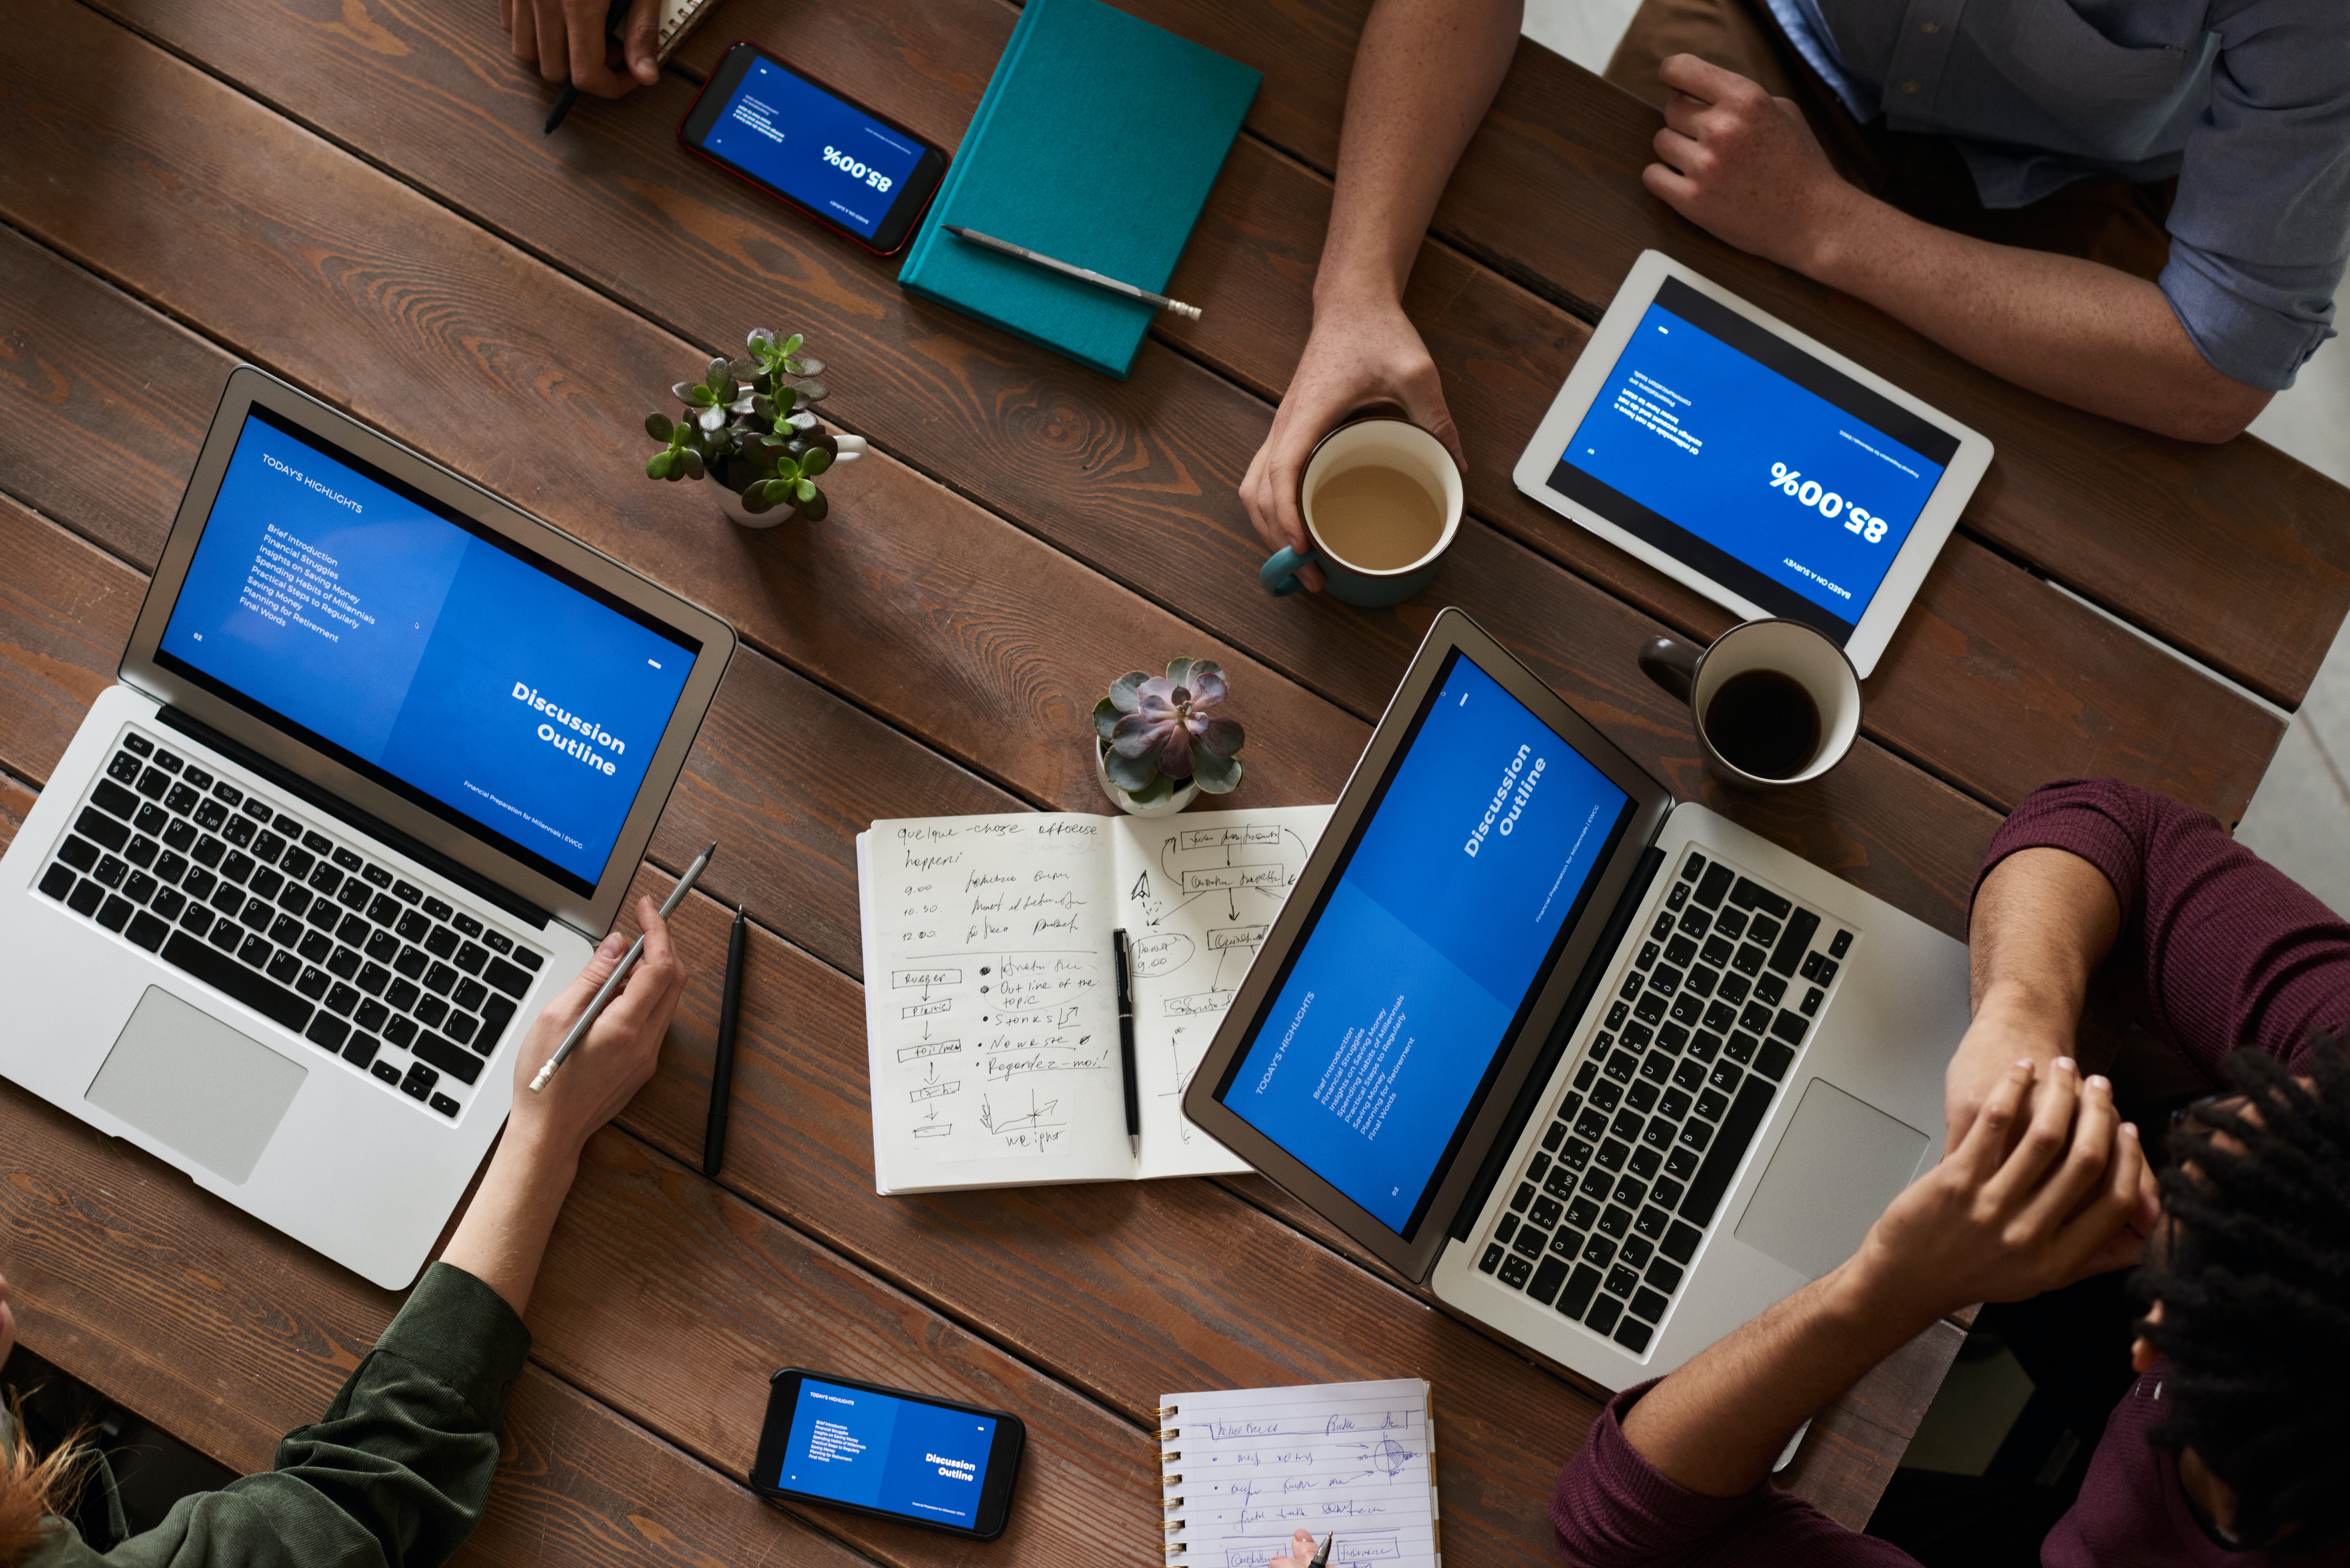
[(2255, 1296)]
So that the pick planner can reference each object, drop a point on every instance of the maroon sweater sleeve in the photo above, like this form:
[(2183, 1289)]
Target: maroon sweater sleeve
[(2219, 948), (1612, 1508)]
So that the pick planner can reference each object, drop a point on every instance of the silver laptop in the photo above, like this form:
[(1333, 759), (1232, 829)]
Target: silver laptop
[(378, 770), (1609, 1073)]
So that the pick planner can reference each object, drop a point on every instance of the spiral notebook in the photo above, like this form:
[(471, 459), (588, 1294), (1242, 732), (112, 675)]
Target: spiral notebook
[(1243, 1468), (677, 19)]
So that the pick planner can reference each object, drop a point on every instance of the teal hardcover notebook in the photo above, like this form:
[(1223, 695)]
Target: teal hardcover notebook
[(1096, 144)]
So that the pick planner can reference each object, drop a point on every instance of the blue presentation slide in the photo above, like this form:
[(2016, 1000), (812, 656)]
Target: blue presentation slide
[(802, 140), (1438, 925), (853, 1445), (475, 677), (1814, 498)]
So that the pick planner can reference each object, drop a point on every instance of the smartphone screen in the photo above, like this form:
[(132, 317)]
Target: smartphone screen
[(885, 1451), (822, 153)]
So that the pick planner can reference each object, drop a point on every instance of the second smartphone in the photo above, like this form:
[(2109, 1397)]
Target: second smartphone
[(801, 142), (888, 1451)]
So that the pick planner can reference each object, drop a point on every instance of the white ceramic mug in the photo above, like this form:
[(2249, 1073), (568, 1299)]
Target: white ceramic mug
[(1784, 647)]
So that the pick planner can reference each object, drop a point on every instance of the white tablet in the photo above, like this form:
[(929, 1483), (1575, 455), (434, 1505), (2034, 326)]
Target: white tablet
[(1764, 470)]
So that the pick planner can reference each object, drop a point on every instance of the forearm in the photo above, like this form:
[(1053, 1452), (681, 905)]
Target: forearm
[(1716, 1426), (2071, 329), (504, 1234), (1425, 72)]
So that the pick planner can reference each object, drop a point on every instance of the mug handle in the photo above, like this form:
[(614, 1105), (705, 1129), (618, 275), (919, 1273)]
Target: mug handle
[(1671, 664), (1279, 573)]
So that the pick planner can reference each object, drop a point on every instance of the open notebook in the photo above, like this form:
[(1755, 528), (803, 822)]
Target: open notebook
[(990, 992), (1243, 1468)]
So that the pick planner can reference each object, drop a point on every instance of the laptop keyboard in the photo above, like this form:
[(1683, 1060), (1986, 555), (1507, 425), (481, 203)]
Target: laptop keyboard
[(292, 920), (1627, 1178)]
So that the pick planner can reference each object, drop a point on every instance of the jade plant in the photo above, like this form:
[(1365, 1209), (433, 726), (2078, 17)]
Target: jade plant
[(1158, 733), (747, 425)]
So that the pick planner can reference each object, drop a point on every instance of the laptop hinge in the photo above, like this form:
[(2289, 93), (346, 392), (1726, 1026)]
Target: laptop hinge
[(351, 816), (1603, 953)]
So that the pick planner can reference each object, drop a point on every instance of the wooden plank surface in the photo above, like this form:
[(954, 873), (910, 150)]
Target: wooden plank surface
[(1120, 475)]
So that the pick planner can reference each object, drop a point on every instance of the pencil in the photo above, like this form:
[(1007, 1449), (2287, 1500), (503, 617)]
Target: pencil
[(721, 1065), (595, 1008), (1087, 274)]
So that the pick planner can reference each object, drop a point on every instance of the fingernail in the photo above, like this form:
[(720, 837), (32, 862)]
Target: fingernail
[(2066, 1062), (2129, 1129), (2024, 1063), (2098, 1081)]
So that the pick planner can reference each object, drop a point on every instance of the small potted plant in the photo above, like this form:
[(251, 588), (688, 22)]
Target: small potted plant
[(747, 425), (1156, 746)]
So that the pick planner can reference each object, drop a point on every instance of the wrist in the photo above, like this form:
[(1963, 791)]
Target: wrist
[(1358, 290), (538, 1155), (1847, 226), (1877, 1303)]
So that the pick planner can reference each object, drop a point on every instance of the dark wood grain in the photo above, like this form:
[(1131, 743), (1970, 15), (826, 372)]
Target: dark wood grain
[(66, 610), (1119, 475), (1549, 193)]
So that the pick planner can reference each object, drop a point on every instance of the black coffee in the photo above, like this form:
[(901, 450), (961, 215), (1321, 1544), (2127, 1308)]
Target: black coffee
[(1764, 722)]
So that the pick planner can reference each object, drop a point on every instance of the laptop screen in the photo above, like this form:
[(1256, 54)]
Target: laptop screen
[(1436, 931), (389, 631)]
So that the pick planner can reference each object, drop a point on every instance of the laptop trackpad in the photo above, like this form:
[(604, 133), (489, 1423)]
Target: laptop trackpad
[(1841, 1161), (180, 1074)]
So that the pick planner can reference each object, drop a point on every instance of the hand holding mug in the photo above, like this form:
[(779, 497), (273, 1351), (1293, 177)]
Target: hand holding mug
[(1382, 501)]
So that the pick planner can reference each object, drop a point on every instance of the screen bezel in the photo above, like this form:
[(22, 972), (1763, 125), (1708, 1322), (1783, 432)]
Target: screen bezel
[(994, 1508), (1415, 1255), (1874, 630), (897, 224), (488, 517)]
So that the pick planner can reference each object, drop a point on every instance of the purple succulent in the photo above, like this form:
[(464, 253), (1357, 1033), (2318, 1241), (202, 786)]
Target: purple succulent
[(1161, 735)]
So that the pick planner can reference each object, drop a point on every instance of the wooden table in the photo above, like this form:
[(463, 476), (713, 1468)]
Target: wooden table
[(355, 194)]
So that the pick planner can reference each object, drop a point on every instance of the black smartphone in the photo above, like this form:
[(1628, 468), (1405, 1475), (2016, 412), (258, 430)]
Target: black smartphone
[(796, 138), (888, 1452)]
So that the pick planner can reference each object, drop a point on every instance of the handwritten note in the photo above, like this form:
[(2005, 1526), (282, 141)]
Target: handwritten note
[(1244, 1469)]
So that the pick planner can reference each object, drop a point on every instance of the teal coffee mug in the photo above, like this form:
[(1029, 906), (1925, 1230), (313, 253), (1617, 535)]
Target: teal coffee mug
[(1382, 502)]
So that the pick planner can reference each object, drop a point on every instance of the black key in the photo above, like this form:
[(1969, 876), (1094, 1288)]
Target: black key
[(1737, 1129), (471, 958), (1707, 1043), (283, 968), (1716, 951), (1722, 1016), (124, 767), (1528, 1242), (1665, 1276), (208, 851), (147, 931), (141, 852), (417, 1085), (1627, 1125), (372, 1016), (1681, 1242), (1575, 1155), (237, 867), (1577, 1296), (446, 1105), (57, 880), (198, 777), (1690, 1074), (171, 868), (1613, 1221), (1605, 1311), (1747, 960), (1756, 1018), (111, 872), (1518, 1201), (1666, 1192), (1622, 1281), (1583, 1074), (387, 1071), (288, 828), (1492, 1258), (153, 784), (1687, 1008), (226, 936), (1741, 1048), (1678, 897), (1671, 1036), (258, 915), (1559, 1184), (384, 910), (1533, 1171), (198, 920), (1633, 1335), (1711, 1104), (467, 924), (1629, 1192), (499, 1012), (1515, 1271), (264, 882), (354, 931), (1696, 1136), (1651, 1222), (1774, 1060), (326, 880), (1794, 941), (258, 810), (1696, 922), (182, 799), (528, 960), (1631, 986), (1752, 896), (228, 898), (1841, 946), (410, 962), (1543, 1212), (1674, 1106), (1658, 1135), (153, 822), (342, 998), (1661, 930), (403, 996), (346, 860), (438, 908), (383, 947), (327, 1030), (1596, 1184), (377, 875), (1665, 978), (317, 843), (1599, 1252), (94, 824), (1809, 1005), (1557, 1134), (359, 1050), (1619, 1067), (440, 941), (78, 852), (258, 992), (1810, 968), (1650, 1008), (406, 892), (1547, 1281), (1827, 971), (293, 899), (1680, 952), (313, 983), (316, 946), (210, 815), (1635, 1253), (296, 863), (140, 743), (1642, 1095), (343, 964), (1764, 931), (256, 951), (460, 1065), (354, 893), (373, 978), (1637, 1036), (168, 762), (1691, 866), (238, 830), (325, 915), (499, 942), (413, 926), (400, 1031), (1702, 979), (1611, 1155), (1658, 1067)]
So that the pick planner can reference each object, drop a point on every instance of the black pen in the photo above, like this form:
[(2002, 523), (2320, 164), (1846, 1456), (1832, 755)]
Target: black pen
[(721, 1065), (1126, 1045), (614, 15)]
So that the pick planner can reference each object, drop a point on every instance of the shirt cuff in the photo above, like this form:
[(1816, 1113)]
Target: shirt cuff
[(462, 1331), (2102, 821), (2261, 345), (1611, 1502)]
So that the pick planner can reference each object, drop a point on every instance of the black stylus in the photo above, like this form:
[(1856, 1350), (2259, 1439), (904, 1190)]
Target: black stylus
[(722, 1066)]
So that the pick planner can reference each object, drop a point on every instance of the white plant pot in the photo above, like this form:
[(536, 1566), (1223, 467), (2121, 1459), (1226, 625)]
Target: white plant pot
[(852, 447), (1125, 802)]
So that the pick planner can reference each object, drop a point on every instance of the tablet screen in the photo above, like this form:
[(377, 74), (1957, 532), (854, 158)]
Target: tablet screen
[(1731, 450), (1438, 926)]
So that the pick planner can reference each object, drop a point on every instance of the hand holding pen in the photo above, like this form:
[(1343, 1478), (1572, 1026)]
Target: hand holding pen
[(1302, 1553), (619, 1049)]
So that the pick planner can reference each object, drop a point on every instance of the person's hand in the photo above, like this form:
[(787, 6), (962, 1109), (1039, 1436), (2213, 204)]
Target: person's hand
[(2007, 1029), (564, 40), (1743, 166), (1302, 1548), (618, 1054), (2045, 1189), (1357, 354)]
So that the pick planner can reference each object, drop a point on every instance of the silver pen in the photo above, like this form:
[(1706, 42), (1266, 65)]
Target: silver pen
[(595, 1008), (1087, 274)]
